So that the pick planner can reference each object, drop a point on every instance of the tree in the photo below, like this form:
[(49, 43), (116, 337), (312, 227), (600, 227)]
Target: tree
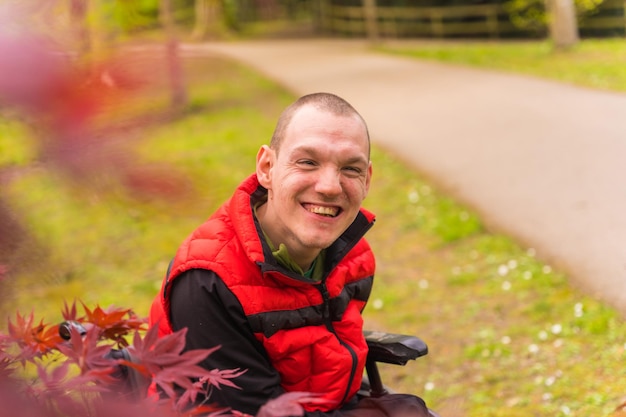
[(371, 20), (208, 19), (562, 23), (560, 17), (177, 84), (78, 19)]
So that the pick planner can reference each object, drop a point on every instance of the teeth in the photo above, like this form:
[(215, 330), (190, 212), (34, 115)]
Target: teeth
[(324, 211)]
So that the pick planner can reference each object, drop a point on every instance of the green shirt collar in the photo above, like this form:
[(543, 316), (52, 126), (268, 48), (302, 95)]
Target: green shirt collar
[(315, 272)]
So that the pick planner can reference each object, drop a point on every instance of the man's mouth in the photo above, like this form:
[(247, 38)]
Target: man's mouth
[(324, 210)]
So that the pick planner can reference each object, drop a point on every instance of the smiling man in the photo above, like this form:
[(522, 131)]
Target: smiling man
[(279, 275), (317, 172)]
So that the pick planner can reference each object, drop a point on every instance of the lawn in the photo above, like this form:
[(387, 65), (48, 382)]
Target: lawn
[(594, 63), (508, 335)]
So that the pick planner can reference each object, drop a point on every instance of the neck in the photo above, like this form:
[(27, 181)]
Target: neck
[(303, 260)]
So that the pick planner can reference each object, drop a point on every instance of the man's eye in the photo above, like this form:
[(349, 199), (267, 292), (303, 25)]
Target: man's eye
[(306, 162), (353, 171)]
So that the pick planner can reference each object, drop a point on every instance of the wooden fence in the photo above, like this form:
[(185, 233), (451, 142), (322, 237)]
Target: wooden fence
[(611, 17), (472, 21)]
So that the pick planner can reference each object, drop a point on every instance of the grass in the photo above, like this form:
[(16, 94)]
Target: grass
[(508, 336), (593, 63)]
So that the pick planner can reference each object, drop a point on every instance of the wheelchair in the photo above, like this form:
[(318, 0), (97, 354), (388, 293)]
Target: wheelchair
[(389, 348)]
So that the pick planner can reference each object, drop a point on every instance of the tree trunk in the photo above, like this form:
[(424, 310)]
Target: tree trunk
[(177, 85), (208, 19), (562, 23), (78, 18), (371, 20)]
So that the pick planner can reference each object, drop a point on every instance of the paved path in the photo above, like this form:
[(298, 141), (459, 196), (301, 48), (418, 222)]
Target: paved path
[(540, 161)]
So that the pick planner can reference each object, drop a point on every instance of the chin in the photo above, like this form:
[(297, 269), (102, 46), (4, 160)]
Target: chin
[(319, 242), (321, 238)]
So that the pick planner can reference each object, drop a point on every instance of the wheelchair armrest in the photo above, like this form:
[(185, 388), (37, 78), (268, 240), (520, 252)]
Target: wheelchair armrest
[(392, 348)]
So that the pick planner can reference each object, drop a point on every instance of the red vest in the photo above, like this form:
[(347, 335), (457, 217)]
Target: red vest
[(312, 332)]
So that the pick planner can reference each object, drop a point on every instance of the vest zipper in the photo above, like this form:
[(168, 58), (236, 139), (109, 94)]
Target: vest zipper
[(331, 328), (326, 308)]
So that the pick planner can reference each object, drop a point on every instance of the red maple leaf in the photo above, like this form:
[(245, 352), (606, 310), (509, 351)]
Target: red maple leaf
[(114, 323), (34, 340), (69, 313), (164, 360), (90, 357), (58, 387), (6, 369), (212, 411)]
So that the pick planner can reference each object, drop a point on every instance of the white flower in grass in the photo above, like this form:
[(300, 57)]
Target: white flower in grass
[(414, 197), (556, 328), (429, 386), (505, 340), (543, 335), (566, 410), (506, 285), (423, 284), (550, 381), (533, 348), (578, 310), (503, 270), (527, 275), (378, 304), (512, 264), (546, 269), (547, 396)]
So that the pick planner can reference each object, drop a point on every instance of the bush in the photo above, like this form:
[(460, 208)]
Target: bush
[(80, 376)]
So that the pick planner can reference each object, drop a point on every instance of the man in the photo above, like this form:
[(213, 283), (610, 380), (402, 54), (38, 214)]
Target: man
[(279, 275)]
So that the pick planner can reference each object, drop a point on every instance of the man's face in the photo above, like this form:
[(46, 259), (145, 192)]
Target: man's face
[(316, 181)]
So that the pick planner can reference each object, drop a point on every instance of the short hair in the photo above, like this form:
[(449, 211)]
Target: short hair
[(322, 101)]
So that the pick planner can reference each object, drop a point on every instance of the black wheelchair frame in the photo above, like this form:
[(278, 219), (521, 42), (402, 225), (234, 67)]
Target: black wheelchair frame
[(396, 349)]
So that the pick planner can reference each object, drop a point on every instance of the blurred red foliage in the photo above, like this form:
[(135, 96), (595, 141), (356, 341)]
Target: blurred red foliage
[(81, 376), (76, 111), (71, 106)]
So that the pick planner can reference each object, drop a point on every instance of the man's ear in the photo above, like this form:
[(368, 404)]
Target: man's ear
[(264, 164)]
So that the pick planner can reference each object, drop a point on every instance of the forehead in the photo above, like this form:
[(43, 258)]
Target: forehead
[(310, 126)]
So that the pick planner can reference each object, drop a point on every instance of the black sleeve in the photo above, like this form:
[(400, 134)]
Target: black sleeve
[(201, 302)]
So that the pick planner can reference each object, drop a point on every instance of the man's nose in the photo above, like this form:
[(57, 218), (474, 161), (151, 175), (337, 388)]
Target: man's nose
[(328, 182)]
